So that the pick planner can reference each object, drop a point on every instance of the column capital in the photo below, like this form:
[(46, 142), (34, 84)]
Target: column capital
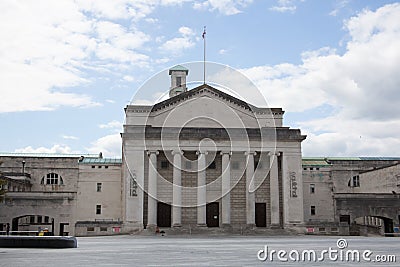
[(224, 152), (198, 152), (174, 152), (153, 152), (247, 153), (274, 153)]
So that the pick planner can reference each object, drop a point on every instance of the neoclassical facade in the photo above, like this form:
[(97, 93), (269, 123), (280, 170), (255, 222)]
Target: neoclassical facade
[(205, 158)]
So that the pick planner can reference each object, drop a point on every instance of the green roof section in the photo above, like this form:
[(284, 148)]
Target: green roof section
[(178, 68), (315, 162), (46, 155), (100, 161)]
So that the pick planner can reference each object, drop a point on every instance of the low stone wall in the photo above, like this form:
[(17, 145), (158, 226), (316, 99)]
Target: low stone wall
[(38, 242)]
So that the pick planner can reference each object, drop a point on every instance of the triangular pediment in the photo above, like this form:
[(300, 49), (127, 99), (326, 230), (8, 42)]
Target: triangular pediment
[(204, 90)]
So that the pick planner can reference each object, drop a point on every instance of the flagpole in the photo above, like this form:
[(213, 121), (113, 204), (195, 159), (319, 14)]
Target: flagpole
[(204, 59)]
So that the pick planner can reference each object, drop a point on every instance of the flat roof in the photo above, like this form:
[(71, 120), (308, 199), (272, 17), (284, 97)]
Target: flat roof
[(100, 161), (46, 155)]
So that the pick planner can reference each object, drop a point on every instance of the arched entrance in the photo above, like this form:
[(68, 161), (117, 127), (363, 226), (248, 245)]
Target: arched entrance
[(26, 224)]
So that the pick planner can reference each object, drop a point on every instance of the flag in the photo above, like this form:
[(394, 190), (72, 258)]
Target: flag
[(204, 33)]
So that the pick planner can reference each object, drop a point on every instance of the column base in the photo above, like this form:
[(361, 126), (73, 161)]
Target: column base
[(151, 227), (250, 226)]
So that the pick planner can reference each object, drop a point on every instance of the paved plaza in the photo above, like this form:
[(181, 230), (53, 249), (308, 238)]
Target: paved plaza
[(196, 251)]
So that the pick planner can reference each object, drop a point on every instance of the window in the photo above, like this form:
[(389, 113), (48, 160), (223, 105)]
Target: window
[(312, 210), (305, 169), (321, 229), (312, 188), (98, 189), (178, 81), (52, 178), (39, 219), (106, 167), (317, 169), (31, 219), (93, 167), (98, 209), (257, 165), (311, 169), (46, 219), (212, 165), (90, 229), (164, 164), (99, 167), (103, 229), (356, 181)]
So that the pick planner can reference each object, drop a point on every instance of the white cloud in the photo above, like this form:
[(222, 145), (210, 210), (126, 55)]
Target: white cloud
[(285, 6), (361, 85), (110, 146), (62, 149), (338, 7), (70, 137), (114, 125), (222, 51), (178, 44), (225, 7)]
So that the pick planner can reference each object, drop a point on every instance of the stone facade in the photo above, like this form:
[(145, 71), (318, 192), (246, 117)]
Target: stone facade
[(201, 158)]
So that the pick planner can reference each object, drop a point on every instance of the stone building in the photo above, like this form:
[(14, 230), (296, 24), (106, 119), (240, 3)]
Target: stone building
[(353, 192), (205, 158), (200, 159)]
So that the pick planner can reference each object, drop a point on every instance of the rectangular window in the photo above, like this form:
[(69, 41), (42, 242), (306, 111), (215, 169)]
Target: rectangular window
[(39, 219), (235, 165), (46, 219), (103, 229), (93, 167), (90, 229), (99, 167), (178, 81), (312, 210), (321, 229), (106, 167), (99, 187), (98, 209), (311, 169), (356, 181), (164, 164), (317, 169), (304, 169), (31, 219), (312, 188)]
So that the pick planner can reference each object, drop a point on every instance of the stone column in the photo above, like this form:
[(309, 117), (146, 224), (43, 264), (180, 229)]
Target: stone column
[(201, 189), (177, 190), (226, 187), (250, 193), (274, 189), (152, 190)]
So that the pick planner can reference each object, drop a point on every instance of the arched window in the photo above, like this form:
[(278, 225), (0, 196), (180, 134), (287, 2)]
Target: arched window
[(52, 178)]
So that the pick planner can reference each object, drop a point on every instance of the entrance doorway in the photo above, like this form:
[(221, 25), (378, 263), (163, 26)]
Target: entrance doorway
[(163, 214), (212, 210), (261, 214), (62, 229)]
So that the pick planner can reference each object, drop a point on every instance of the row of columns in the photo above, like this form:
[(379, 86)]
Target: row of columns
[(202, 193)]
